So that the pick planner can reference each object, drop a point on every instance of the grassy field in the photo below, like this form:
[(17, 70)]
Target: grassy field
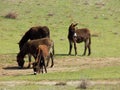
[(100, 16)]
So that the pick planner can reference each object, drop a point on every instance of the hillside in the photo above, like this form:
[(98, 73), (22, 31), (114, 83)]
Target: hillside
[(100, 16)]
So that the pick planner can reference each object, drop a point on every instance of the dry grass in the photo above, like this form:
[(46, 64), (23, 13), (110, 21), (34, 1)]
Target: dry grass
[(83, 85)]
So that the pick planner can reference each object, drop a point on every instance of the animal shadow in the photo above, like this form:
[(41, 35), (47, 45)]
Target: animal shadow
[(14, 68), (66, 55), (61, 55)]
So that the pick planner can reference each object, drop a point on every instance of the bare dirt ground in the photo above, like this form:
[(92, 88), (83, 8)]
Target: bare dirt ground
[(60, 64)]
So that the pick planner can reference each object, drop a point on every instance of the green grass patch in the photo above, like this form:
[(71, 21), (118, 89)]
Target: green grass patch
[(108, 72), (101, 17)]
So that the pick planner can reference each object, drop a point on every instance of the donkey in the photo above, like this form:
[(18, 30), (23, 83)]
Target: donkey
[(78, 36), (31, 47), (37, 32), (42, 55)]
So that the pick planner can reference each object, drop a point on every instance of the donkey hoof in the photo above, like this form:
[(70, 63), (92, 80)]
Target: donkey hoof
[(69, 54), (51, 66), (75, 54), (28, 66), (88, 54), (83, 55)]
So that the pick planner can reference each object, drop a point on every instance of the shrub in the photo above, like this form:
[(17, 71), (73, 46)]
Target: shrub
[(11, 15), (83, 85)]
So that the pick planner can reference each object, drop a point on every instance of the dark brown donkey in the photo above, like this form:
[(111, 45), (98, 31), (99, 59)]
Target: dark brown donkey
[(78, 36), (34, 33), (31, 47), (42, 56)]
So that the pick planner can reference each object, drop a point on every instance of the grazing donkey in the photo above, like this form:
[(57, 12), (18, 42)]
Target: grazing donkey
[(31, 47), (42, 55), (37, 32), (78, 36), (34, 33)]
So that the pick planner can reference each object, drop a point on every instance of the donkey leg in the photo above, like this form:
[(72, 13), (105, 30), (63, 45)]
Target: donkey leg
[(89, 46), (29, 57), (48, 59), (52, 59), (42, 68), (85, 48), (45, 68), (70, 47), (43, 65), (75, 48), (89, 50)]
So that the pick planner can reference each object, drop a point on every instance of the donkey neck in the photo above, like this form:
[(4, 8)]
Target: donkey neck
[(72, 33), (21, 54), (24, 39)]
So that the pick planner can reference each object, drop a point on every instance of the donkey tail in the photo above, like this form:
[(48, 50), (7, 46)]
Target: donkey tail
[(52, 49), (90, 39)]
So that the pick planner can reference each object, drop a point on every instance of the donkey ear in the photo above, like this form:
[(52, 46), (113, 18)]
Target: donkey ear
[(75, 24), (71, 24)]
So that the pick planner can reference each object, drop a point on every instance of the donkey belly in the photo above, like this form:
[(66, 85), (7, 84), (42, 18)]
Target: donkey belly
[(79, 40)]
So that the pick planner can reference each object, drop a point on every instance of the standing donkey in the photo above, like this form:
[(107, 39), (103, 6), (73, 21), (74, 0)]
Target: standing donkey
[(78, 36)]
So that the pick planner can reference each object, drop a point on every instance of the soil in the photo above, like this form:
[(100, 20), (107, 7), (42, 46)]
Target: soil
[(60, 64)]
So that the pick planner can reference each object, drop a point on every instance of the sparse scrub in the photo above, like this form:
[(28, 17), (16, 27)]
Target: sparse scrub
[(83, 84), (11, 15)]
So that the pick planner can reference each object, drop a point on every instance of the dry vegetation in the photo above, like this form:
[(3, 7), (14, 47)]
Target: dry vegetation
[(11, 15)]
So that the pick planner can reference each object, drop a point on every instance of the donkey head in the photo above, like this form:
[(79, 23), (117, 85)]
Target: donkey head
[(35, 67), (72, 28), (20, 62), (71, 32)]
